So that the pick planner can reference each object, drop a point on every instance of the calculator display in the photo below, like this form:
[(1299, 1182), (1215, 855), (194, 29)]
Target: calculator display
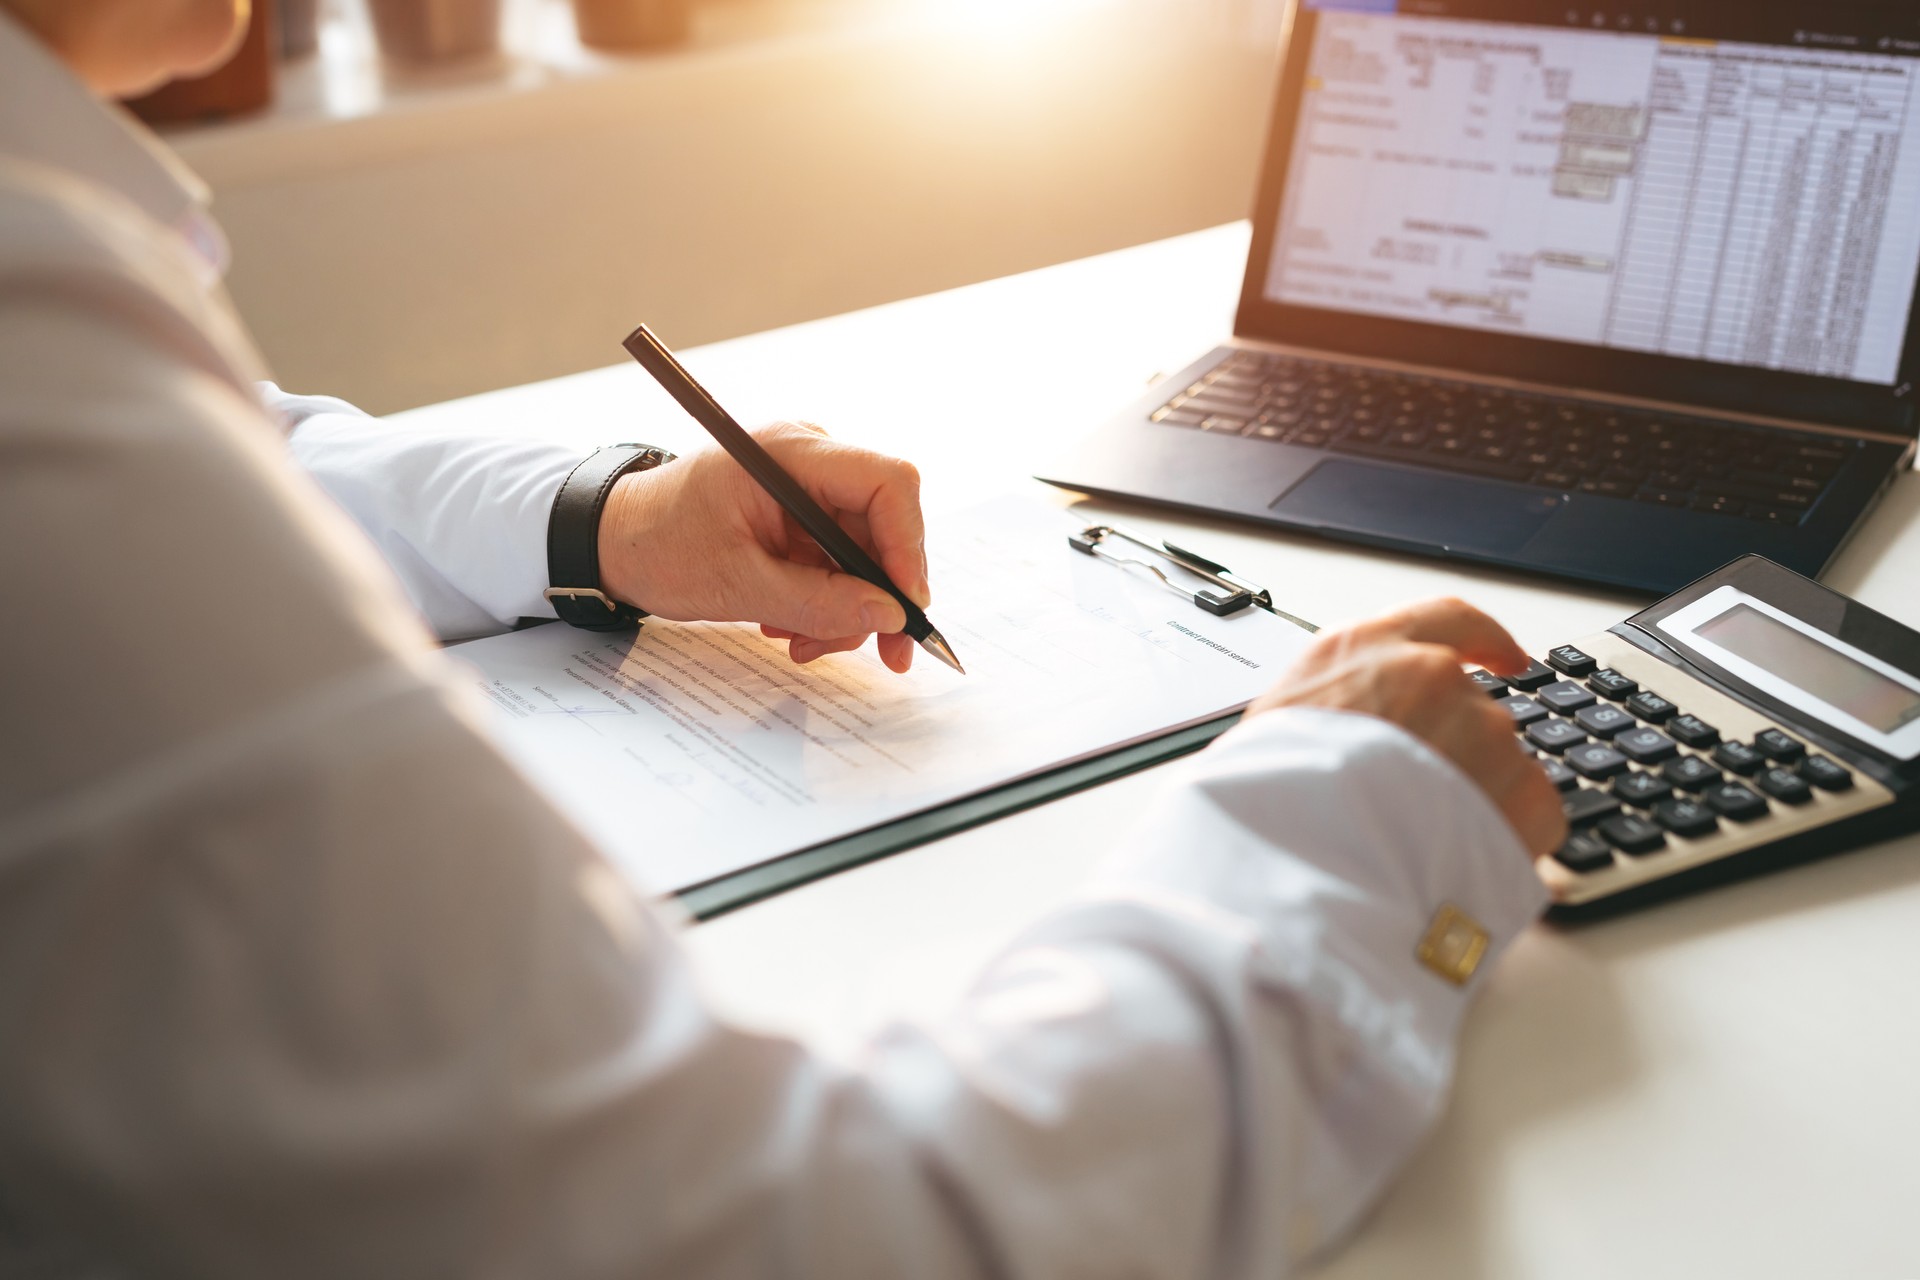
[(1829, 675), (1786, 657)]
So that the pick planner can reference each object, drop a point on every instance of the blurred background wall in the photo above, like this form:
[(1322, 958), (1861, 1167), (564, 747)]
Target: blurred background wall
[(406, 235)]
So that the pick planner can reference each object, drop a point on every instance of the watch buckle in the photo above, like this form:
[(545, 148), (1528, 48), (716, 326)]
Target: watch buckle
[(574, 593)]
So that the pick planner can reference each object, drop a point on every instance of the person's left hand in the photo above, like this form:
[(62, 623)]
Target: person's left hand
[(698, 540)]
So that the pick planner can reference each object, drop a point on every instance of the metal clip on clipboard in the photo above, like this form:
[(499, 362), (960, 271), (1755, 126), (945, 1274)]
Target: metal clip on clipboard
[(1225, 594)]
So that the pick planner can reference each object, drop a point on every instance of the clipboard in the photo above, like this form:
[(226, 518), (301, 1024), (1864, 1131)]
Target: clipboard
[(1219, 592), (755, 884)]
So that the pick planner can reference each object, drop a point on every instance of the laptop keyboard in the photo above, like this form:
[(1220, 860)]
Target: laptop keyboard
[(1553, 443)]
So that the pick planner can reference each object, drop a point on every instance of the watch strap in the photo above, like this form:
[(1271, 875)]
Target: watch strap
[(573, 537)]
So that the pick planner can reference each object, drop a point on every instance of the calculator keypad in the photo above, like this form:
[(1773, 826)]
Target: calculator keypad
[(1647, 774)]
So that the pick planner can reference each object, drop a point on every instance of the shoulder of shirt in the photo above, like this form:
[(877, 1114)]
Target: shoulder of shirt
[(69, 243)]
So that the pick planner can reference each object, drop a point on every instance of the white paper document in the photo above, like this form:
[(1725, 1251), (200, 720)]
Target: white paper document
[(692, 750)]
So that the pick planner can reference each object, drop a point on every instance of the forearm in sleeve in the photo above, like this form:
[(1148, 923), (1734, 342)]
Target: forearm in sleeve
[(460, 518)]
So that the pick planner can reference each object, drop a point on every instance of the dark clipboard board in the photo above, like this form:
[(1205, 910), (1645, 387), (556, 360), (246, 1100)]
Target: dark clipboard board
[(726, 893)]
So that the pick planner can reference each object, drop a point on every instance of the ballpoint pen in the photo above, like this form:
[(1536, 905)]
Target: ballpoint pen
[(654, 357)]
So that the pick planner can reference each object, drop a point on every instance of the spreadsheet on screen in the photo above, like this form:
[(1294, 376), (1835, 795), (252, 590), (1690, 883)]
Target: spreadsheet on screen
[(1742, 203)]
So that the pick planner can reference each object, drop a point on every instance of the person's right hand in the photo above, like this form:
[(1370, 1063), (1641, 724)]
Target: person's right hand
[(1405, 667)]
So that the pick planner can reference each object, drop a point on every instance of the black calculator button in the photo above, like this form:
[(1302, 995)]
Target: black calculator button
[(1777, 746), (1559, 775), (1632, 833), (1825, 774), (1736, 800), (1565, 696), (1641, 789), (1595, 760), (1570, 661), (1584, 851), (1686, 817), (1523, 709), (1693, 731), (1533, 677), (1737, 757), (1650, 706), (1645, 746), (1555, 735), (1690, 773), (1603, 721), (1609, 683), (1492, 685), (1784, 785), (1585, 804)]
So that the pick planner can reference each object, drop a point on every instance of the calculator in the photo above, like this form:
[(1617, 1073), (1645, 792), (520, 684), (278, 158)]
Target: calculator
[(1750, 720)]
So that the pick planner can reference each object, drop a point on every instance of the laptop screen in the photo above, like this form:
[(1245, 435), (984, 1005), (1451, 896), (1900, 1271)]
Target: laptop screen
[(1701, 194)]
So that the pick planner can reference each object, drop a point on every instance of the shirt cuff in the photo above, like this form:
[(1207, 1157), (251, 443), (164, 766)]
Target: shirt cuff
[(1340, 837)]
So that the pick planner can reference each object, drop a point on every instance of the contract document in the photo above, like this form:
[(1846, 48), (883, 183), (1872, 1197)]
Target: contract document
[(694, 750)]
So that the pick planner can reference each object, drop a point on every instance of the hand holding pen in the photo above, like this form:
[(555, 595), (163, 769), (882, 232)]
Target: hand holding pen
[(705, 538)]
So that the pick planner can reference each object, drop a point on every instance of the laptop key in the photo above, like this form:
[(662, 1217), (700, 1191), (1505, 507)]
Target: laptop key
[(1686, 817), (1825, 774)]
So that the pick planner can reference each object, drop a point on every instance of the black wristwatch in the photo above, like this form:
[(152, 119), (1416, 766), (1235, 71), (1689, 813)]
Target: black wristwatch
[(573, 538)]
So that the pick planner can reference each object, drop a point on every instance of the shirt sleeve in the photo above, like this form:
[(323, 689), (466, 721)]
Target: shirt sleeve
[(460, 519)]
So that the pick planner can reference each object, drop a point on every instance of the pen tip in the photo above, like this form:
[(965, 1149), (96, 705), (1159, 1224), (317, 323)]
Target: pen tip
[(936, 644)]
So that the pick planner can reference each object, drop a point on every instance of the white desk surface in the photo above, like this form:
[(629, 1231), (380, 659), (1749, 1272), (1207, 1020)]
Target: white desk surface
[(1724, 1086)]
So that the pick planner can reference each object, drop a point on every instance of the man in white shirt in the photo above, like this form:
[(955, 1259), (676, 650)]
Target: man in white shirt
[(299, 978)]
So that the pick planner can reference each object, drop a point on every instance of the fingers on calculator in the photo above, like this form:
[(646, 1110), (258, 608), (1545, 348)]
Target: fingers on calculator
[(1642, 775)]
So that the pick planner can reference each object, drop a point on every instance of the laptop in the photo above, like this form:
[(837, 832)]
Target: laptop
[(1615, 295)]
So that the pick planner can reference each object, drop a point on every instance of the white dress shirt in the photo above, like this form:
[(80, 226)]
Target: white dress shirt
[(298, 977)]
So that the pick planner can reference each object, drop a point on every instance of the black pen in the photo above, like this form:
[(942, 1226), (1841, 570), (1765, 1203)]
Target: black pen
[(654, 357)]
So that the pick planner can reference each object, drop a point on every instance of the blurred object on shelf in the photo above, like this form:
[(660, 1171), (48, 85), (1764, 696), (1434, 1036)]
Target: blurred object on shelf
[(436, 30), (299, 22), (243, 84), (633, 24)]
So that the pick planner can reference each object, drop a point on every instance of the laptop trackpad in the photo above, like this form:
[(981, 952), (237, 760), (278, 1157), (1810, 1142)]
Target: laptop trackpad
[(1424, 507)]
